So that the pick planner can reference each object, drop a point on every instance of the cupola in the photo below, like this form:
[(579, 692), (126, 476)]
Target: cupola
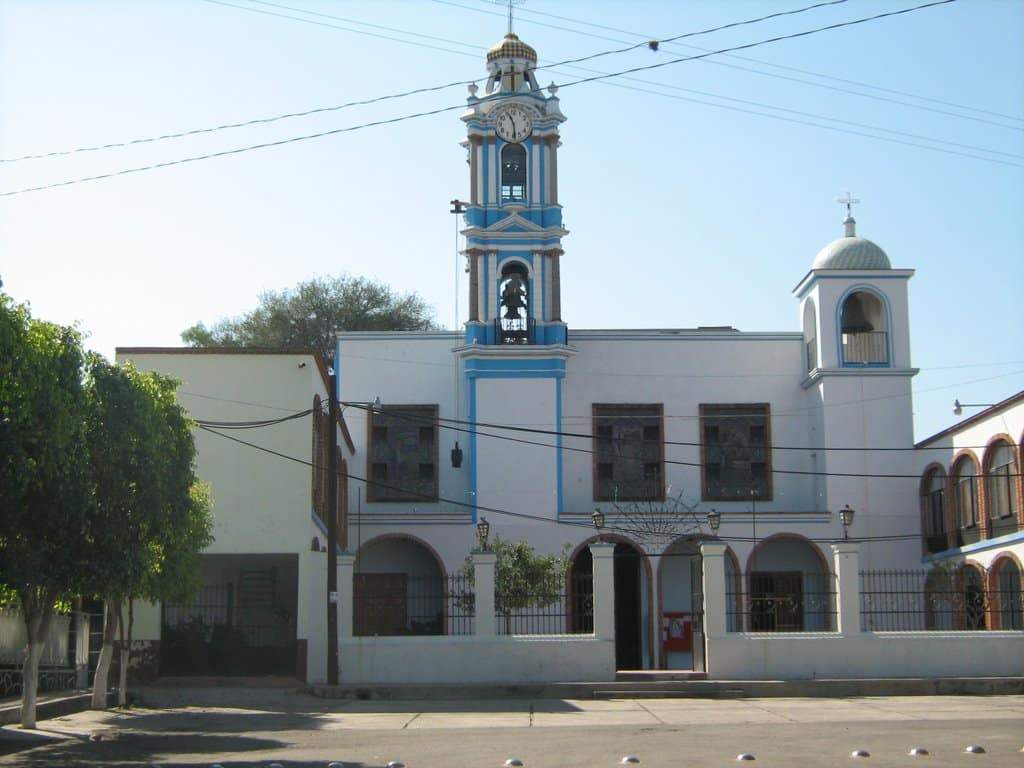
[(511, 64), (851, 251)]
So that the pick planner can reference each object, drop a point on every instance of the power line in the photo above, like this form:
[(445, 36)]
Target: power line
[(773, 65), (362, 102), (509, 513), (672, 462), (580, 81)]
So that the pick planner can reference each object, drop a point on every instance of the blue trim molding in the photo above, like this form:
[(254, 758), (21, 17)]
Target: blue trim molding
[(864, 288), (980, 546), (472, 446)]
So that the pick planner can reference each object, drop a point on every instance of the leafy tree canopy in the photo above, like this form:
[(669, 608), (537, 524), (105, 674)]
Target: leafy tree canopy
[(522, 578), (308, 316)]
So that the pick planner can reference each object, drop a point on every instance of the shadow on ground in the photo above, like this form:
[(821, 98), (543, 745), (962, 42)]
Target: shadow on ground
[(133, 749), (216, 721)]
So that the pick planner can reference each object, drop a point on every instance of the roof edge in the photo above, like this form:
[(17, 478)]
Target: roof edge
[(971, 420)]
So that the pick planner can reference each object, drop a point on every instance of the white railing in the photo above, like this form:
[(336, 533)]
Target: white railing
[(866, 348), (14, 640)]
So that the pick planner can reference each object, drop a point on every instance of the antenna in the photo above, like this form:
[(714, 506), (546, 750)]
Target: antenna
[(849, 201)]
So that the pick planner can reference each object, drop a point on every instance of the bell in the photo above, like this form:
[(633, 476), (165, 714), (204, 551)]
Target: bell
[(854, 318)]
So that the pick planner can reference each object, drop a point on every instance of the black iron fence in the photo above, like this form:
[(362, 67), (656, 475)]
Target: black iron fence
[(782, 602), (560, 610), (965, 598), (395, 604)]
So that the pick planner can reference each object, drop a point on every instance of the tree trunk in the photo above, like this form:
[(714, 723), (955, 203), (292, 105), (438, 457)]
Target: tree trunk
[(99, 685), (122, 683), (37, 611)]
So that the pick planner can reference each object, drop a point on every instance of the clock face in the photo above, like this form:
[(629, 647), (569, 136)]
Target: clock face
[(513, 124)]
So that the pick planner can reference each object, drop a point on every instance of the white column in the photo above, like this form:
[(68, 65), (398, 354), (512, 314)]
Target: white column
[(846, 559), (483, 578), (604, 590), (346, 577), (713, 574)]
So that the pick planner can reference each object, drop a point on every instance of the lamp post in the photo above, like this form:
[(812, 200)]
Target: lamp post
[(958, 407), (483, 530), (714, 520), (846, 516), (598, 517)]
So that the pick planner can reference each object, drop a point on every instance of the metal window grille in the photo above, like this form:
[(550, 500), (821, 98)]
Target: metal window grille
[(547, 612), (940, 599), (782, 602), (396, 604), (866, 347)]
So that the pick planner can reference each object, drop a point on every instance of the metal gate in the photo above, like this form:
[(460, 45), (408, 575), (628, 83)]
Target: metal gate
[(230, 631)]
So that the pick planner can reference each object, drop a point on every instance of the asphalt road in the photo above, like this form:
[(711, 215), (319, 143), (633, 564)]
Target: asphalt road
[(297, 730)]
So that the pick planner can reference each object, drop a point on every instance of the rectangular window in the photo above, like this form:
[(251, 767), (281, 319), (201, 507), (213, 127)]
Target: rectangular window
[(403, 453), (736, 452), (629, 453)]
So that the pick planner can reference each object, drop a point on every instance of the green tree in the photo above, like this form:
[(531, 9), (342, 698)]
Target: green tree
[(307, 316), (522, 578), (45, 478), (150, 516)]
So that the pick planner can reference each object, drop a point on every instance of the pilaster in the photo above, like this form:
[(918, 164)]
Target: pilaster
[(346, 613), (604, 590), (484, 566), (713, 575), (846, 563)]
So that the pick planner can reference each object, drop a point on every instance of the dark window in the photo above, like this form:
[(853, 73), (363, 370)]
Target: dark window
[(513, 173), (629, 453), (403, 453), (736, 451)]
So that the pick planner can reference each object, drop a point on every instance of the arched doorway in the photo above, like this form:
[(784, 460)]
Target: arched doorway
[(1007, 605), (399, 588), (681, 598), (632, 603)]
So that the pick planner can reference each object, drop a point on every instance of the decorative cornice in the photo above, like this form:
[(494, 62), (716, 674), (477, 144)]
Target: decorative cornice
[(514, 351), (817, 374)]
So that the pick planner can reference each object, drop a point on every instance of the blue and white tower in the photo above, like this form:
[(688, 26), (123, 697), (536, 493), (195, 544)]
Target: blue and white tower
[(515, 352)]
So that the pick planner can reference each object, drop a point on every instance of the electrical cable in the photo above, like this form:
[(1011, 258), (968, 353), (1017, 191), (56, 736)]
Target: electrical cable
[(580, 81), (509, 513), (373, 100), (768, 64), (672, 462)]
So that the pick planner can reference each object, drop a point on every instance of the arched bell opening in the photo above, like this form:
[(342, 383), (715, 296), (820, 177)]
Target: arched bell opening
[(513, 173), (864, 330), (514, 321)]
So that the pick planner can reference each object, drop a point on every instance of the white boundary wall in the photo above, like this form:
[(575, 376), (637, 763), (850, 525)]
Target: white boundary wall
[(483, 657), (848, 653)]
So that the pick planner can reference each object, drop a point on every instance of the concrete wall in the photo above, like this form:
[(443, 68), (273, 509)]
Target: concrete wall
[(740, 656), (470, 659)]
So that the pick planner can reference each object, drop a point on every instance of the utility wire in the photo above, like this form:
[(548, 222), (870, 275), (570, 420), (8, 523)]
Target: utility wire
[(474, 425), (768, 64), (509, 513), (580, 81), (664, 460), (373, 100)]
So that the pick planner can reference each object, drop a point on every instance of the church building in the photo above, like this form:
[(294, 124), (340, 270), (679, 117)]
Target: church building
[(765, 441)]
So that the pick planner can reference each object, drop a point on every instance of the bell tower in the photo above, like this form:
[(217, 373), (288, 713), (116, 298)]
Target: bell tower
[(513, 221), (515, 350)]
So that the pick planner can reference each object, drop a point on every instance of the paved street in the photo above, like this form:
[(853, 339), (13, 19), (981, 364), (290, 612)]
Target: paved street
[(299, 730)]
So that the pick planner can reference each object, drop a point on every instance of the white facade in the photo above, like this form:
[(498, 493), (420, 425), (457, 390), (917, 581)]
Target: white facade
[(263, 518)]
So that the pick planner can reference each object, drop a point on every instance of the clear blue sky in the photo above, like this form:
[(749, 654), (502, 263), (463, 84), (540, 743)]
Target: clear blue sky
[(681, 213)]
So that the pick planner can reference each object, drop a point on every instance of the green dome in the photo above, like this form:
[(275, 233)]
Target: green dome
[(851, 252)]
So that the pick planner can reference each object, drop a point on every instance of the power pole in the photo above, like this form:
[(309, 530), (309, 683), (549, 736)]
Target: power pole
[(332, 532)]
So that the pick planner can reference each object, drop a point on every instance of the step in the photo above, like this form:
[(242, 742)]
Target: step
[(658, 675)]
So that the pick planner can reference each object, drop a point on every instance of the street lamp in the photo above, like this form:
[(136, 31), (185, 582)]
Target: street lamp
[(846, 516), (714, 520), (598, 518), (958, 407), (483, 530)]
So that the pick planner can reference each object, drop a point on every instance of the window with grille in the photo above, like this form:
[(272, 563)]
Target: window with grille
[(1001, 483), (736, 452), (966, 494), (628, 452), (513, 173), (402, 457)]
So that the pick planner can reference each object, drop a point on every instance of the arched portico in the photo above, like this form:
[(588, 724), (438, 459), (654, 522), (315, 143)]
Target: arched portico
[(633, 591), (400, 587), (789, 586)]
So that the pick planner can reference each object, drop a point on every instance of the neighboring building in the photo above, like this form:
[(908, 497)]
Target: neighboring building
[(972, 519), (619, 416), (261, 609)]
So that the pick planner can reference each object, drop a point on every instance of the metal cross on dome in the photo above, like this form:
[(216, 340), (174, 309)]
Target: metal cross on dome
[(849, 201), (511, 4)]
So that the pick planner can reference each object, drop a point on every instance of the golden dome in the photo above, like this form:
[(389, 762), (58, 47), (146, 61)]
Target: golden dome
[(511, 47)]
